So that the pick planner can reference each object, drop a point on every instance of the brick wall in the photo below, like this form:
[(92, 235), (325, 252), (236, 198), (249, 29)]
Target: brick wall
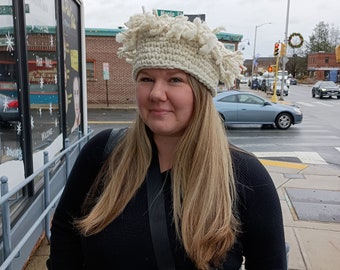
[(320, 63), (120, 86)]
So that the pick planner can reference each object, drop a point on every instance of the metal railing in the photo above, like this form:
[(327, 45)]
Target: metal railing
[(19, 240)]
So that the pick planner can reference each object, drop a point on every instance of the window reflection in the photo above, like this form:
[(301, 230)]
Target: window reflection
[(10, 128), (42, 74)]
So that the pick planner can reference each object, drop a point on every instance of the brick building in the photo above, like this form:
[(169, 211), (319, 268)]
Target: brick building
[(101, 47), (323, 66), (262, 64), (101, 50)]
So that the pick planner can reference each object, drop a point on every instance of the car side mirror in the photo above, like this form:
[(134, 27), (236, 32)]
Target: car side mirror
[(266, 103)]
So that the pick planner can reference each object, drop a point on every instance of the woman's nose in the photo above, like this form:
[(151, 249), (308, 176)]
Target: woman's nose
[(158, 91)]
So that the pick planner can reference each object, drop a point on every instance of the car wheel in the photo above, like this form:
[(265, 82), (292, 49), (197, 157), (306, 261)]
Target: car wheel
[(283, 120), (338, 97), (313, 94)]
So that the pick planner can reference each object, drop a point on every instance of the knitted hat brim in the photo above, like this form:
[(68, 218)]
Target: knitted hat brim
[(163, 53)]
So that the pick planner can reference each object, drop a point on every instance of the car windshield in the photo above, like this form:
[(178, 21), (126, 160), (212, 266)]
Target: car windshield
[(328, 84)]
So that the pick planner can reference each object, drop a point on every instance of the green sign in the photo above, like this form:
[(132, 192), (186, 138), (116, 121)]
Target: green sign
[(8, 10), (229, 46), (171, 13), (3, 42)]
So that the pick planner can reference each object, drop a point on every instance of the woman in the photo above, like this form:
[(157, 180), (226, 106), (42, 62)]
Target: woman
[(172, 194)]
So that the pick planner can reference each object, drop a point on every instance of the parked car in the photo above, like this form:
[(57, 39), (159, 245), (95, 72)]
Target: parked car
[(244, 80), (293, 81), (237, 107), (8, 109), (325, 88), (278, 89)]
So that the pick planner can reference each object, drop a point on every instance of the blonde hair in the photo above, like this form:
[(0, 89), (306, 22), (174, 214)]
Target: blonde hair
[(204, 193)]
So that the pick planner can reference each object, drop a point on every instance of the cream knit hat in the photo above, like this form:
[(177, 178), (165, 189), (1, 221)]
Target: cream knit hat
[(153, 41)]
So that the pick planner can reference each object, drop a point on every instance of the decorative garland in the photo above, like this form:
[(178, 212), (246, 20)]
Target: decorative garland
[(297, 45)]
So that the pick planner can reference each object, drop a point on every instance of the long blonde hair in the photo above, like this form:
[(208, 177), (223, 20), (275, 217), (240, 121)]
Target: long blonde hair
[(204, 193)]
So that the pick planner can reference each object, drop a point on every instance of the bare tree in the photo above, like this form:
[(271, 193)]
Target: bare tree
[(323, 38)]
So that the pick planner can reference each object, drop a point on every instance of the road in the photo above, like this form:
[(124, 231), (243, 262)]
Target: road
[(315, 141)]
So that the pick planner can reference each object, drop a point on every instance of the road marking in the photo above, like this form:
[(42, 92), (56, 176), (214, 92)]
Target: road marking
[(337, 148), (305, 104), (323, 104), (284, 164), (304, 157)]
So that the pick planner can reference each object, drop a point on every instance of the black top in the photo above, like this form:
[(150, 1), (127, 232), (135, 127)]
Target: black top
[(126, 242)]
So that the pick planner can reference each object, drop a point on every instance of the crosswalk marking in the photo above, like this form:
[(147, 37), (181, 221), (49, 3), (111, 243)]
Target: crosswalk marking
[(305, 104), (314, 104), (304, 157), (323, 104)]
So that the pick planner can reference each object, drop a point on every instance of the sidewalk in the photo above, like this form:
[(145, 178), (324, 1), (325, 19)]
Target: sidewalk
[(315, 243)]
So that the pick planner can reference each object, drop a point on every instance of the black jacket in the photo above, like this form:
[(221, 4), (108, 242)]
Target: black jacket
[(126, 242)]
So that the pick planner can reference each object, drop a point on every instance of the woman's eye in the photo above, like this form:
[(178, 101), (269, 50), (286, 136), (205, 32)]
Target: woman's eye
[(175, 80), (144, 79)]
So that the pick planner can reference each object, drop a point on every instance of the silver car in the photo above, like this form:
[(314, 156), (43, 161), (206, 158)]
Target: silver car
[(325, 88), (236, 107)]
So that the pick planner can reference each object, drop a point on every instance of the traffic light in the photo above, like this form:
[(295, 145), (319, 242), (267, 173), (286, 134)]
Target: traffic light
[(276, 49), (283, 49), (337, 53), (270, 69)]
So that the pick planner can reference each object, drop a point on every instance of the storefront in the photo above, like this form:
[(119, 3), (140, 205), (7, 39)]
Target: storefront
[(42, 85)]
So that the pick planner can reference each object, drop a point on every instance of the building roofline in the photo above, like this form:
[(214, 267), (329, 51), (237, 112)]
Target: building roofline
[(106, 32)]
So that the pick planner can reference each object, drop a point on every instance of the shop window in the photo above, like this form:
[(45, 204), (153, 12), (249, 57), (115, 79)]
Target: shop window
[(90, 70), (10, 126), (326, 60)]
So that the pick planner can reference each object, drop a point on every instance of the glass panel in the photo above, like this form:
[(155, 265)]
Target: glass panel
[(10, 149), (43, 78), (72, 58), (90, 70)]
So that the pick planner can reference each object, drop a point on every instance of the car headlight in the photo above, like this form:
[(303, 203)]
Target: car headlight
[(297, 110), (323, 89)]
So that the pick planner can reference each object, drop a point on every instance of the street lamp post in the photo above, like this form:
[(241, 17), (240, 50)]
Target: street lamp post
[(284, 57), (253, 65)]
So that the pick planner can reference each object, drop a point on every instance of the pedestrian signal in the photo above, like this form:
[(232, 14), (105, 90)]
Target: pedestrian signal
[(276, 49)]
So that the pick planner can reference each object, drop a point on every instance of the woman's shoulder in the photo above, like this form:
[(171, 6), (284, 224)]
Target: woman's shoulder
[(247, 167), (240, 155), (98, 141)]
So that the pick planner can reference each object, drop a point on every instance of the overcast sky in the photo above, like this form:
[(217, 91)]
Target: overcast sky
[(237, 17)]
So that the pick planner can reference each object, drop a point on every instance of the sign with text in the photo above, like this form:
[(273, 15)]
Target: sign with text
[(106, 72), (171, 13), (8, 10)]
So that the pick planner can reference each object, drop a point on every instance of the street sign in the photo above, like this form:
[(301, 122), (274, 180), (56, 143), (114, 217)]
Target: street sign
[(8, 9), (284, 60), (106, 73), (229, 46), (171, 13)]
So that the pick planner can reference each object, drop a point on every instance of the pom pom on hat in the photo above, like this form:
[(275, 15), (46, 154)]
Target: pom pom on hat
[(153, 41)]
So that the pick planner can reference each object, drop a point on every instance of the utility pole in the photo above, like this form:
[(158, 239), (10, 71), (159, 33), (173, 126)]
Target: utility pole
[(284, 57)]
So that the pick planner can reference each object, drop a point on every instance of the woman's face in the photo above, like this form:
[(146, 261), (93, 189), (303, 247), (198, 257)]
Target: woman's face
[(165, 100)]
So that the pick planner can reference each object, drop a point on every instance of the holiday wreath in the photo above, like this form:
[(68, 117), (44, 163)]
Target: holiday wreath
[(295, 40)]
